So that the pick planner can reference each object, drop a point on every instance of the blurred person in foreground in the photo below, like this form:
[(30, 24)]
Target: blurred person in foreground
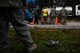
[(12, 11)]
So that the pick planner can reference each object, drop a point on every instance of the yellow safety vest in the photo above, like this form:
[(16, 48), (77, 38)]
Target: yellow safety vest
[(44, 12)]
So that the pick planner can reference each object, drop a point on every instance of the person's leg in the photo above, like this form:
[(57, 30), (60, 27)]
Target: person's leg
[(42, 20), (65, 20), (36, 19), (52, 20), (62, 20), (45, 18), (4, 25), (17, 20)]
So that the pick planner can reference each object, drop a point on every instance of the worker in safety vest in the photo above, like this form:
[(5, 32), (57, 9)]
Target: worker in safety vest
[(44, 15)]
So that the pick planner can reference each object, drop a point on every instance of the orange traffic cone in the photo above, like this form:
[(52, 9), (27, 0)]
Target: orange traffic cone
[(56, 21)]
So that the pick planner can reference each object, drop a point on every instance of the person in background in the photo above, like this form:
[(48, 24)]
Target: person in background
[(63, 14), (48, 21), (36, 14), (53, 15), (12, 11), (44, 15)]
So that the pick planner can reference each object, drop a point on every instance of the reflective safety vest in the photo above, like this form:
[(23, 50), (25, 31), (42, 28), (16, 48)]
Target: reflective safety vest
[(44, 12)]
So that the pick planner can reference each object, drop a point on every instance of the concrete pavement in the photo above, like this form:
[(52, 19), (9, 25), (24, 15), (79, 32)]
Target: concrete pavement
[(70, 25)]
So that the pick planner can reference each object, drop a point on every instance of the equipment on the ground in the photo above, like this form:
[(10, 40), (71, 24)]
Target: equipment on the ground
[(52, 43)]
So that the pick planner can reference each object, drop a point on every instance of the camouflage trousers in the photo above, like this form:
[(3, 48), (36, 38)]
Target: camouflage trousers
[(16, 18)]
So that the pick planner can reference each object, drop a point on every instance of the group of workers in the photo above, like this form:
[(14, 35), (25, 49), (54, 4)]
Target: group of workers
[(48, 16)]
